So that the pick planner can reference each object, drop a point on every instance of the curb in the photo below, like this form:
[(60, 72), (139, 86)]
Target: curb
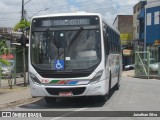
[(18, 102), (143, 77)]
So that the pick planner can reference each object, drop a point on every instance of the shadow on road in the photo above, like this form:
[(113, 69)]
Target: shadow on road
[(64, 103)]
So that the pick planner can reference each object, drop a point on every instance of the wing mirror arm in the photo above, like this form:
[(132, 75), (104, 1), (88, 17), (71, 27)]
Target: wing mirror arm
[(23, 38)]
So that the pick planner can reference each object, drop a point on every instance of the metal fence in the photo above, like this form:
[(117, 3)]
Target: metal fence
[(142, 64), (15, 75), (145, 66)]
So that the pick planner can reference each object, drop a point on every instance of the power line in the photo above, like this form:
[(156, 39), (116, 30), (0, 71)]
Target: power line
[(9, 20), (82, 5), (93, 10), (64, 8)]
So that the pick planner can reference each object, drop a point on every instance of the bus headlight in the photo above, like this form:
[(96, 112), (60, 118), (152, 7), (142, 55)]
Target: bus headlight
[(35, 79), (97, 77)]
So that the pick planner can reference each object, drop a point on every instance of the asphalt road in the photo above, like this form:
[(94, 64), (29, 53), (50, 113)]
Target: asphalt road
[(134, 95)]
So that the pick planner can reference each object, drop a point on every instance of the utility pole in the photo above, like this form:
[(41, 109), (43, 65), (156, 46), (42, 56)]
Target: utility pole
[(22, 17), (24, 62), (24, 48)]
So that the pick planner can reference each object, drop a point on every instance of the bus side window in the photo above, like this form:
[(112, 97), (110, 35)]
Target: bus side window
[(116, 42), (105, 42), (111, 40), (105, 45), (108, 40), (114, 45), (119, 42)]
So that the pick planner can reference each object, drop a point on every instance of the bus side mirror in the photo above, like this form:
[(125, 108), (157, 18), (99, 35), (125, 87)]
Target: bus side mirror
[(23, 40)]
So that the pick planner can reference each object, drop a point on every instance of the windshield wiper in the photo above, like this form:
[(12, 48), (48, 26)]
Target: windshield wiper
[(76, 36), (54, 41), (72, 40)]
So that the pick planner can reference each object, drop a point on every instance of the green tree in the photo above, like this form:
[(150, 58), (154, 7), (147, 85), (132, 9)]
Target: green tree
[(3, 50), (4, 62), (21, 25), (3, 47)]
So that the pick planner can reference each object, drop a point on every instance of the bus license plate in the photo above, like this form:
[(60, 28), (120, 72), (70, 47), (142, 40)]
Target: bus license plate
[(65, 94)]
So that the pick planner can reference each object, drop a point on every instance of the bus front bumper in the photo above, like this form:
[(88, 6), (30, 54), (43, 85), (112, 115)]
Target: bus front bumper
[(95, 89)]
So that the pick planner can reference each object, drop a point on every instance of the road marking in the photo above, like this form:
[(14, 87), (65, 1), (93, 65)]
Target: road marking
[(68, 114)]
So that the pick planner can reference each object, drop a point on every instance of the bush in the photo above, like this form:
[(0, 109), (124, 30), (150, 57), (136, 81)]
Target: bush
[(21, 25)]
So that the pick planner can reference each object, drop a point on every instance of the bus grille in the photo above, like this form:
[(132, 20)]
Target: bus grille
[(75, 91)]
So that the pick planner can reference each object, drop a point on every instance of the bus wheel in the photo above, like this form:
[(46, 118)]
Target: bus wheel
[(50, 100), (105, 97), (117, 86)]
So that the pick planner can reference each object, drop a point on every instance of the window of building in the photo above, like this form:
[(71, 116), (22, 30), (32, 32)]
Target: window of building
[(149, 19)]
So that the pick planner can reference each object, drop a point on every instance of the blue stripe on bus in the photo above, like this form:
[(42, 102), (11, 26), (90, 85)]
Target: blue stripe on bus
[(73, 82)]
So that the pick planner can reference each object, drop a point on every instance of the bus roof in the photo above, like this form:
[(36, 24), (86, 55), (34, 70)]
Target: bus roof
[(111, 26), (77, 14), (67, 14)]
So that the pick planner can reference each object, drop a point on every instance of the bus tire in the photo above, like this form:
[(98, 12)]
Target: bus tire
[(105, 97), (117, 86), (50, 100)]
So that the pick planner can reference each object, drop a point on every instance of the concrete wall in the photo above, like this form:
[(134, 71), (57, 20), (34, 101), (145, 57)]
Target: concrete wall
[(125, 23), (152, 3)]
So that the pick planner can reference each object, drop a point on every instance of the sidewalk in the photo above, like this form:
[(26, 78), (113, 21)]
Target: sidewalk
[(15, 96), (4, 82), (129, 73), (21, 95)]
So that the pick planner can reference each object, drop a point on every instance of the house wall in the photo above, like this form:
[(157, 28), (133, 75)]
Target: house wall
[(152, 24)]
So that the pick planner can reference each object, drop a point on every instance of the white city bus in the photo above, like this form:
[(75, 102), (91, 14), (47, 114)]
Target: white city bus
[(73, 54)]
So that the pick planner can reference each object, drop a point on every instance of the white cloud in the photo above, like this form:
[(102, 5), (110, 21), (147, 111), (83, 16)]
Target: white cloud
[(9, 13), (11, 9)]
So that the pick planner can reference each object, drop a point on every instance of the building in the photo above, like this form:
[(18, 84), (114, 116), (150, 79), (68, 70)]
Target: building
[(152, 21), (124, 23), (138, 25), (149, 19), (11, 37), (152, 27), (136, 10), (5, 33)]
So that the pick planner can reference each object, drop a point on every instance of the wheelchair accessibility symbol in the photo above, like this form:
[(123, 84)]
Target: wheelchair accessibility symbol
[(59, 64)]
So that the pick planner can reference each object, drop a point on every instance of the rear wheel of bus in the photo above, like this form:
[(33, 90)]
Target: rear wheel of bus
[(117, 86)]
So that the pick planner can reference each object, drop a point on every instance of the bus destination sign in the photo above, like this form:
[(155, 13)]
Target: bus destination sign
[(69, 22)]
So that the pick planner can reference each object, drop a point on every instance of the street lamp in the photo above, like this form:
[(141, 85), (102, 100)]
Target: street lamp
[(38, 12)]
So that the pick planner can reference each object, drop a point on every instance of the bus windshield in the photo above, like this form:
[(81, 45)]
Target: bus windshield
[(73, 48)]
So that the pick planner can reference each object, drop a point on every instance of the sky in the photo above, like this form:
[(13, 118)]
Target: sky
[(10, 12)]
